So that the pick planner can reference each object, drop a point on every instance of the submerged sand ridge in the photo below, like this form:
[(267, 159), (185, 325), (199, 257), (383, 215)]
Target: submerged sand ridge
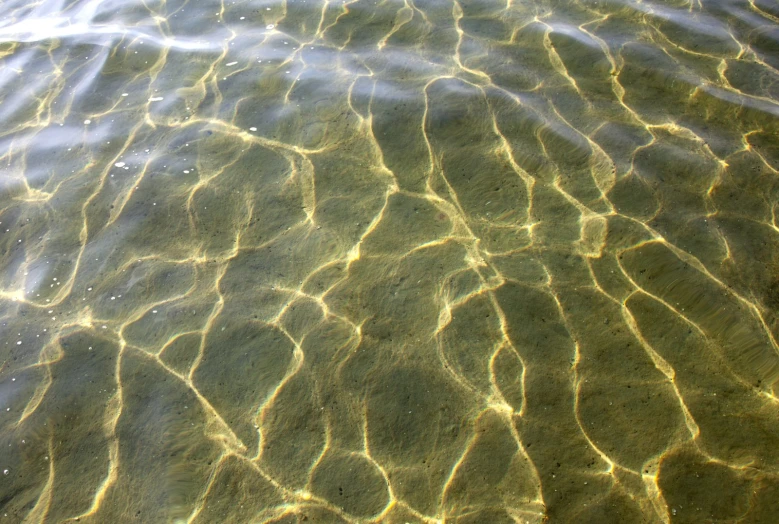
[(400, 261)]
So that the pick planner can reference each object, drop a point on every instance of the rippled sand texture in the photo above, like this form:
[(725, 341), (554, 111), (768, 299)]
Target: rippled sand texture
[(420, 261)]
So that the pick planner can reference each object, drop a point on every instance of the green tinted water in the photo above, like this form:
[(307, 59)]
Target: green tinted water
[(398, 261)]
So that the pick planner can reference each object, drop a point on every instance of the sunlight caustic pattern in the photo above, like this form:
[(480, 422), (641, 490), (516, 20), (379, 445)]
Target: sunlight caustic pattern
[(397, 261)]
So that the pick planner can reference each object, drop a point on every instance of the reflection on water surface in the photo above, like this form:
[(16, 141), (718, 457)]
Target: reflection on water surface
[(397, 261)]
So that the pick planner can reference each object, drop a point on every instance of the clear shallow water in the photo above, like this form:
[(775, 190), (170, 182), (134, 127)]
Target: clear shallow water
[(415, 261)]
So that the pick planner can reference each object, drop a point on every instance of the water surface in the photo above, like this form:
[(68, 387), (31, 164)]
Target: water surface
[(397, 261)]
